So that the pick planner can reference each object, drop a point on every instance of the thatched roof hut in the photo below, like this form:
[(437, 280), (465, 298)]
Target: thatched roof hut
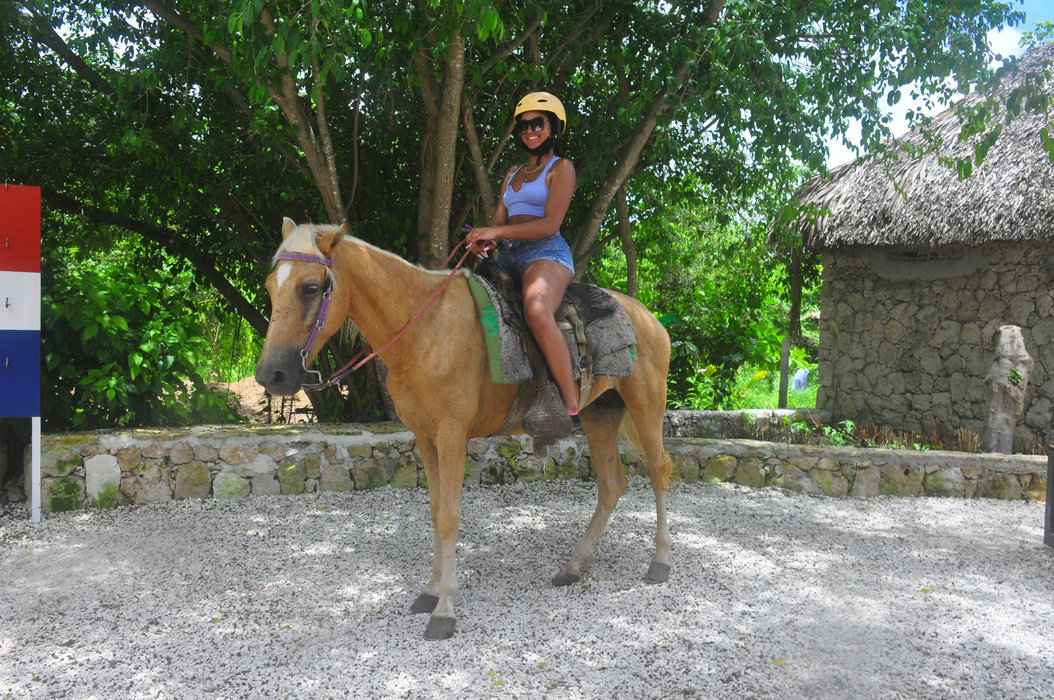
[(922, 268), (907, 201)]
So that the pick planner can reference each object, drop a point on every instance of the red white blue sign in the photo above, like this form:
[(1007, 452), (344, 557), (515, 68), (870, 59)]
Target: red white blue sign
[(19, 301)]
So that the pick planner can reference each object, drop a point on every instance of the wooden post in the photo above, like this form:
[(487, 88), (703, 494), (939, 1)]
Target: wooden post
[(1007, 381), (784, 371)]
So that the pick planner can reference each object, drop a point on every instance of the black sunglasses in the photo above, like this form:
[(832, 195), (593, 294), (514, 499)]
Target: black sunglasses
[(536, 124)]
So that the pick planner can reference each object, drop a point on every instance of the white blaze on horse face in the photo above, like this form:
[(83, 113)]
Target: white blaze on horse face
[(281, 275)]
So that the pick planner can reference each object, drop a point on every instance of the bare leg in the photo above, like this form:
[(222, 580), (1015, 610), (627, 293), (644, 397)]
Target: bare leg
[(544, 284)]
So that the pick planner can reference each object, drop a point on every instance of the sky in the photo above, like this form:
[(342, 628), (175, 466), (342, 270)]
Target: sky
[(1005, 42)]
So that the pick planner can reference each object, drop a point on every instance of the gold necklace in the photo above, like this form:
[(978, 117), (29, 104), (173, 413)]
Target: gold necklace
[(528, 173)]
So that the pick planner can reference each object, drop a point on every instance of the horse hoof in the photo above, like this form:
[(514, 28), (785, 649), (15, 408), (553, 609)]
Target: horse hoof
[(439, 628), (565, 579), (425, 603), (657, 573)]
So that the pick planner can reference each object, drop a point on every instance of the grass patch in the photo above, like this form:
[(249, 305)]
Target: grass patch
[(756, 388)]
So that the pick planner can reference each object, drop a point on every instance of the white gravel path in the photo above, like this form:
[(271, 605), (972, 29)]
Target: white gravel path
[(772, 595)]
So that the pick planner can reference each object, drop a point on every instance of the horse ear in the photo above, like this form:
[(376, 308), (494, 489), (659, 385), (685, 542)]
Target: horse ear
[(287, 227), (328, 240)]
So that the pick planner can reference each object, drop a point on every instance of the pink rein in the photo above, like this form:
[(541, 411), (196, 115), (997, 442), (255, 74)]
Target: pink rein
[(359, 360)]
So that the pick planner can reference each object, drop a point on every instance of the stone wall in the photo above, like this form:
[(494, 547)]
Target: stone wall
[(111, 468), (906, 339)]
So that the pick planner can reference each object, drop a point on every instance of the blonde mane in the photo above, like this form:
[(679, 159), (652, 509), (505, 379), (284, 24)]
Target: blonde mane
[(303, 239)]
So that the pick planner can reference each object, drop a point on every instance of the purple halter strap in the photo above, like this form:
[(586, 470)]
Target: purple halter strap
[(323, 308), (306, 257)]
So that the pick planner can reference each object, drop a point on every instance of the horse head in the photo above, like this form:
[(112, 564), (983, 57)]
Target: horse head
[(307, 307)]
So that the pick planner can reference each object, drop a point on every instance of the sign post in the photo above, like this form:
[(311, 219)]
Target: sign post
[(1048, 520), (20, 316)]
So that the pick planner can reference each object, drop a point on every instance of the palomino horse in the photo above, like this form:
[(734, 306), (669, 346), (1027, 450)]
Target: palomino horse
[(439, 381)]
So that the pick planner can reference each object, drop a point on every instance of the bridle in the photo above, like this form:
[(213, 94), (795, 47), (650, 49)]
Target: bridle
[(320, 318), (323, 309)]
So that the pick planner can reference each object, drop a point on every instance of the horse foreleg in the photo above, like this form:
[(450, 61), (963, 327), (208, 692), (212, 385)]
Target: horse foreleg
[(444, 487), (600, 422), (429, 597)]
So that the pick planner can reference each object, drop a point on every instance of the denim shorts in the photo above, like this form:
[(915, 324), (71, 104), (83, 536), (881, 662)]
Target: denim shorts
[(516, 254)]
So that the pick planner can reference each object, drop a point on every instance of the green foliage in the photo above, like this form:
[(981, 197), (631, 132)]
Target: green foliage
[(760, 389), (234, 347), (701, 394), (752, 388), (1043, 32), (198, 125), (842, 433), (850, 434), (123, 346), (716, 284), (175, 120)]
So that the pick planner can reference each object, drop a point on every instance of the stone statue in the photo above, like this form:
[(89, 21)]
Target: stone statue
[(1007, 381)]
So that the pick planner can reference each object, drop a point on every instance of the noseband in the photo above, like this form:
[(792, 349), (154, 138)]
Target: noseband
[(323, 308)]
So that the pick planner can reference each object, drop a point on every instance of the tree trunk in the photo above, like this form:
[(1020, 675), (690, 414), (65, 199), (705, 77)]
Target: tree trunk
[(430, 97), (590, 227), (317, 148), (1007, 382), (796, 275), (625, 231), (321, 159), (785, 350), (479, 164), (438, 150)]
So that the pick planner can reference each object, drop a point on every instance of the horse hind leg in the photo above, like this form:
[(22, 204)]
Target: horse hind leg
[(427, 601), (600, 421), (644, 430), (659, 569)]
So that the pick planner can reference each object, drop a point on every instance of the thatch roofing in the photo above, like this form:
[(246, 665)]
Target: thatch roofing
[(921, 203)]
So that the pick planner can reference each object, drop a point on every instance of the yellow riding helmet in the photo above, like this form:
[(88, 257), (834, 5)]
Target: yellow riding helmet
[(542, 102)]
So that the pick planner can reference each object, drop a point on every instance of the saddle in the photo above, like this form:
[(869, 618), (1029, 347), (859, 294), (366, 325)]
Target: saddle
[(600, 339)]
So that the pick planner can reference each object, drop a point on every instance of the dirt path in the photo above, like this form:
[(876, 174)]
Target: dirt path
[(254, 403), (772, 595)]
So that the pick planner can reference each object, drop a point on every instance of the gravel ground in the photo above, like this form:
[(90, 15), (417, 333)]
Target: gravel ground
[(771, 595)]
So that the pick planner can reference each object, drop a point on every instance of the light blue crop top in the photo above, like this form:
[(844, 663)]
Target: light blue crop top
[(532, 196)]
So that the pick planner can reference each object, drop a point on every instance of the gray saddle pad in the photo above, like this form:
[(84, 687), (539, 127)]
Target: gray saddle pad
[(597, 330)]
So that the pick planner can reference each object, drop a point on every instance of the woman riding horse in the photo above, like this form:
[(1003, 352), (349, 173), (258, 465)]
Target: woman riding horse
[(438, 374), (534, 199)]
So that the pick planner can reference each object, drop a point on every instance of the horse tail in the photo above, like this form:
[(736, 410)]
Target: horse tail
[(651, 449)]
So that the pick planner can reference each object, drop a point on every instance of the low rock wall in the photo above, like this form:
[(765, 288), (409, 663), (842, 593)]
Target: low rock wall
[(111, 468), (749, 423)]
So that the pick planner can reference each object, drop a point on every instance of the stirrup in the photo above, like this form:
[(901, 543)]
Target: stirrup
[(547, 420)]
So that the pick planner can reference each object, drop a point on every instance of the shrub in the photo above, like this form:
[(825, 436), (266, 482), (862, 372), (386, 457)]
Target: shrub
[(123, 347)]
